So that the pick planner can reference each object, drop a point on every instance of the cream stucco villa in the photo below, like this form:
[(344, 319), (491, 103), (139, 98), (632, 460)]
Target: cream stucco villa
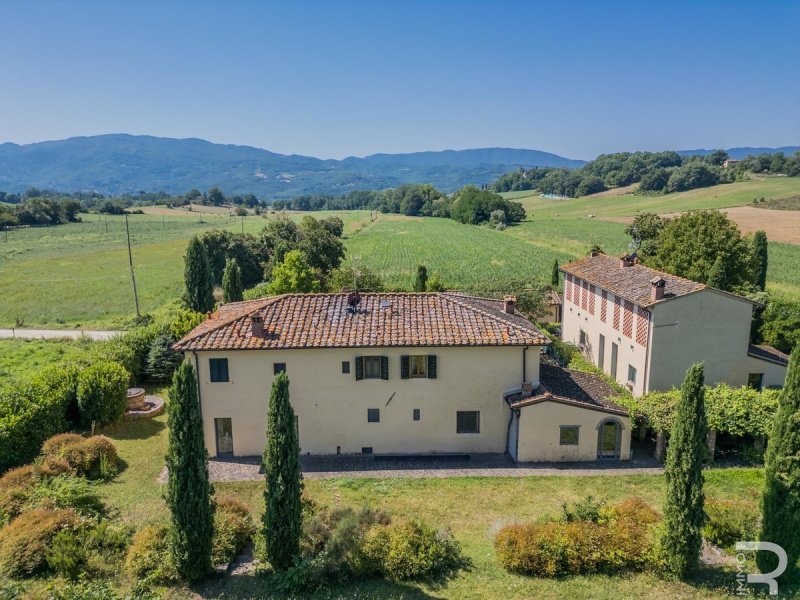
[(398, 373), (645, 328)]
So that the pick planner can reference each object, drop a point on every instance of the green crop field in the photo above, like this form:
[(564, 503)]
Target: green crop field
[(625, 205), (77, 275)]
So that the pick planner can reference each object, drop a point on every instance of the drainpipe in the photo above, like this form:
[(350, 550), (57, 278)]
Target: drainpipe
[(524, 363), (651, 329), (197, 372)]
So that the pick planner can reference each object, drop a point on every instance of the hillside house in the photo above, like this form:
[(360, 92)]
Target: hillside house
[(645, 328), (398, 373)]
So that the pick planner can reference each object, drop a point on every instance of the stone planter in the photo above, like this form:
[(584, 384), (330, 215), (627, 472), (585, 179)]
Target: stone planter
[(135, 398)]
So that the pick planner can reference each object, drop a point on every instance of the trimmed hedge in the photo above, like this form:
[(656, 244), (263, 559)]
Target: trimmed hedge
[(102, 393), (94, 457), (621, 540)]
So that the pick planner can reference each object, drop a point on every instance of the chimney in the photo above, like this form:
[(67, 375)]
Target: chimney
[(594, 252), (509, 302), (657, 288), (257, 323), (625, 260)]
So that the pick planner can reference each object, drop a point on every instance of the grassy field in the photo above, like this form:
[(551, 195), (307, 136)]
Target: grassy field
[(473, 508), (77, 275), (19, 358), (719, 196)]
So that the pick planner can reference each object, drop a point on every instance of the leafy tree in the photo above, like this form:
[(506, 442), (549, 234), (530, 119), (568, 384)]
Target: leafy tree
[(101, 393), (654, 181), (199, 294), (188, 489), (555, 278), (780, 324), (282, 521), (322, 249), (215, 196), (717, 277), (691, 176), (781, 499), (348, 277), (421, 281), (590, 184), (161, 359), (760, 259), (221, 245), (683, 508), (293, 275), (232, 281), (645, 230), (689, 245)]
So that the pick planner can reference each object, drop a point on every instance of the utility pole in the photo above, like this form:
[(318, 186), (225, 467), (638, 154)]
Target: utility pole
[(130, 261)]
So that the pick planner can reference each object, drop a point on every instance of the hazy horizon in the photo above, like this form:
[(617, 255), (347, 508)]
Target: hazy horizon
[(333, 80)]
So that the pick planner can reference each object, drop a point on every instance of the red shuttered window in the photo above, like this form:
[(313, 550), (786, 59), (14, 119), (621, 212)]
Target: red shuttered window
[(642, 326), (616, 313), (592, 294), (627, 320), (568, 288), (603, 305), (584, 294)]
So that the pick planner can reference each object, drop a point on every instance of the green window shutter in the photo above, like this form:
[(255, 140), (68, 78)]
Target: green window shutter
[(359, 368), (384, 367), (404, 367), (431, 366)]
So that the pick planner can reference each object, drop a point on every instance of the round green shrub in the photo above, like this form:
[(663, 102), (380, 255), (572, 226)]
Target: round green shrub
[(731, 521), (233, 530), (102, 393), (56, 444), (94, 457)]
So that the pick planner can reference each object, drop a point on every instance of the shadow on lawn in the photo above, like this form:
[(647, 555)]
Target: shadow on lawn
[(258, 587), (717, 578), (140, 429)]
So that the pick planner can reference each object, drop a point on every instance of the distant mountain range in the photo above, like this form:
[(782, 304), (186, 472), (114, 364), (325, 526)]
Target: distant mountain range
[(119, 163)]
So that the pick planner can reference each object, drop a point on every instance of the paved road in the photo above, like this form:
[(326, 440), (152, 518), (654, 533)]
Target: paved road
[(54, 334)]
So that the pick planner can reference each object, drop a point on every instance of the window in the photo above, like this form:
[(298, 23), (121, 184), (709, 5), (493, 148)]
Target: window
[(569, 435), (345, 366), (416, 414), (468, 421), (372, 367), (755, 381), (418, 366), (583, 339), (219, 369), (278, 368), (366, 450), (224, 435), (373, 415), (631, 374)]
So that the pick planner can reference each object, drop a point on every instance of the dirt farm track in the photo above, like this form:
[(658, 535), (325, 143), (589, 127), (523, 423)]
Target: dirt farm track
[(780, 225)]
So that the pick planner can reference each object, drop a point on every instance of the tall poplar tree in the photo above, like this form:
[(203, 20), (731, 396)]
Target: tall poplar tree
[(760, 259), (199, 294), (683, 508), (188, 489), (717, 277), (282, 521), (781, 500), (554, 279), (421, 282), (232, 281)]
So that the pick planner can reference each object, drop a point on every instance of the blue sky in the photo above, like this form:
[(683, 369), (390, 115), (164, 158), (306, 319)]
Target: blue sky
[(333, 79)]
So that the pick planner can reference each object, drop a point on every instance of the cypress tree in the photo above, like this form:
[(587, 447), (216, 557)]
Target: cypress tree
[(554, 280), (282, 521), (683, 509), (199, 294), (421, 282), (760, 259), (717, 277), (232, 282), (781, 499), (188, 489)]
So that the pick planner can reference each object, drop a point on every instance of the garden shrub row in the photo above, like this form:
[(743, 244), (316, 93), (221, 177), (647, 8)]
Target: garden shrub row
[(620, 539), (90, 391), (731, 521), (343, 545)]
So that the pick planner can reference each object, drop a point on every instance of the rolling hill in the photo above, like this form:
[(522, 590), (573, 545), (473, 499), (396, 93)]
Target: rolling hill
[(120, 163)]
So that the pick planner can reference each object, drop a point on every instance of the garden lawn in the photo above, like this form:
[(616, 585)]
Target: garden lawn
[(22, 358), (474, 508)]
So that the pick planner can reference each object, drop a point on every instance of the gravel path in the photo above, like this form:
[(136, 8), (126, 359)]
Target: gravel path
[(375, 467)]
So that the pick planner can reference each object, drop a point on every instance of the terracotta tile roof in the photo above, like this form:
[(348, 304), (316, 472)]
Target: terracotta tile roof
[(553, 297), (557, 384), (769, 354), (382, 320), (631, 283)]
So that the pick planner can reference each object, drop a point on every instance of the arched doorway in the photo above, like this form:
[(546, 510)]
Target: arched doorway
[(609, 439)]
